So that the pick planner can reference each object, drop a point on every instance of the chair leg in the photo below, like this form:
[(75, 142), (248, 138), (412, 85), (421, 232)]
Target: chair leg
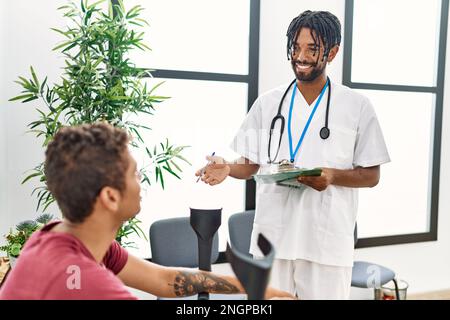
[(397, 293)]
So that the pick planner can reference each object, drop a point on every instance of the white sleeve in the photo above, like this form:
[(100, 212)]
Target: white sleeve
[(246, 142), (370, 147)]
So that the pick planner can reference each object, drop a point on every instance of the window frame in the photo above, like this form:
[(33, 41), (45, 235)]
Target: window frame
[(438, 91), (251, 79)]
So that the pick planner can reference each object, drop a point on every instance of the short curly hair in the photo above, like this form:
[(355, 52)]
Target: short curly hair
[(82, 160)]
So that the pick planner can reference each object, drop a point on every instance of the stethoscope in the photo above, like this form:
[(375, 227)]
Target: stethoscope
[(324, 132)]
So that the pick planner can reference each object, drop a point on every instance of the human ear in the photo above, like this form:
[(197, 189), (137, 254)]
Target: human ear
[(332, 54), (110, 198)]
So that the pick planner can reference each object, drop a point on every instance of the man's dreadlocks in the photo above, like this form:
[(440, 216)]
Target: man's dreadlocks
[(322, 24)]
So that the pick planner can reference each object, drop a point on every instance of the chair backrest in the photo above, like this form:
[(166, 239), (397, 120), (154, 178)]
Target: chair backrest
[(174, 243), (240, 226)]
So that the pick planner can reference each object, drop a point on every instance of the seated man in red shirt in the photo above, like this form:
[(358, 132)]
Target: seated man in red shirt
[(95, 182)]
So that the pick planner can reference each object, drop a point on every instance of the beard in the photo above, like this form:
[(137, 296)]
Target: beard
[(312, 75)]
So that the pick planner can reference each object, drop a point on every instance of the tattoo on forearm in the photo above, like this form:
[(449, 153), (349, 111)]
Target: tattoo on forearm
[(190, 283)]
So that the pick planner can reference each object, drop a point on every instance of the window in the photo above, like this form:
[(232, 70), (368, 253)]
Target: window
[(400, 67), (197, 36), (206, 52)]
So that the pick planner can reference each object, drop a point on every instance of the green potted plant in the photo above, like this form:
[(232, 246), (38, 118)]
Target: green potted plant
[(15, 239), (100, 83)]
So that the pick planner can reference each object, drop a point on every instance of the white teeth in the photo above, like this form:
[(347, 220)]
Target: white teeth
[(302, 67)]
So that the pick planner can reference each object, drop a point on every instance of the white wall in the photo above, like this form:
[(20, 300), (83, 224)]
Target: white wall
[(2, 126), (28, 41)]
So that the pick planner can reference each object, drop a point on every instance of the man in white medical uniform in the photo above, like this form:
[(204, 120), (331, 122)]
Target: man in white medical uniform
[(326, 125)]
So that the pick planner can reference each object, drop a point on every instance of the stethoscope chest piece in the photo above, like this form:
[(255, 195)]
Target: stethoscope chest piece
[(324, 133)]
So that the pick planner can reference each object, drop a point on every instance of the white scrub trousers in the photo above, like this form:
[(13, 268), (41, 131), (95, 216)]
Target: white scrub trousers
[(310, 280)]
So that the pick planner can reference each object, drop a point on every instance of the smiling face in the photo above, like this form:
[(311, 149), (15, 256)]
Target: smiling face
[(307, 57)]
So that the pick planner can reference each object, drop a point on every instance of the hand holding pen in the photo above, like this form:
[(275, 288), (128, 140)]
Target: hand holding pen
[(215, 171), (202, 171)]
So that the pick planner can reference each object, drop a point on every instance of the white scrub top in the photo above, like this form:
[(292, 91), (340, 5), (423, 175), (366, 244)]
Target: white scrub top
[(303, 223)]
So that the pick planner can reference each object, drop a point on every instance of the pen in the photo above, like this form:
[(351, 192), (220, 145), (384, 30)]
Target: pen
[(204, 168)]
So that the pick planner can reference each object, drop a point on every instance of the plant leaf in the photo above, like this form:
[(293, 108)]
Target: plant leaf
[(36, 174), (36, 81), (24, 96)]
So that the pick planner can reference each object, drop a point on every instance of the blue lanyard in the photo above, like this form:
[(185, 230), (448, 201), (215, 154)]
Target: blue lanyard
[(305, 129)]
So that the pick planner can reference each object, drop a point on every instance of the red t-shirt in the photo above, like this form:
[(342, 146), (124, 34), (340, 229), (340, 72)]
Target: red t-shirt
[(55, 265)]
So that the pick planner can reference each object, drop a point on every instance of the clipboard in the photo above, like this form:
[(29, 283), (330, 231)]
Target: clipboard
[(292, 183), (289, 177)]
